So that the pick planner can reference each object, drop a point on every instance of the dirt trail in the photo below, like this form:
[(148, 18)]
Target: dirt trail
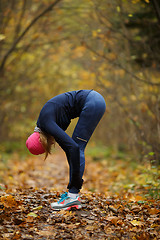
[(32, 184)]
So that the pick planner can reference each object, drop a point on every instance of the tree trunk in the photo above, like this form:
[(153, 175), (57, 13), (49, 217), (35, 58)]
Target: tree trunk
[(156, 5)]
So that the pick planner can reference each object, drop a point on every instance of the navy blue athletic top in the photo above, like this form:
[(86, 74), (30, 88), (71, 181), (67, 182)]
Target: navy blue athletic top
[(56, 116)]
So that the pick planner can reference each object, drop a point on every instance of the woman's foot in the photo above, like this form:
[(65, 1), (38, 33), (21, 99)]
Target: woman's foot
[(66, 203)]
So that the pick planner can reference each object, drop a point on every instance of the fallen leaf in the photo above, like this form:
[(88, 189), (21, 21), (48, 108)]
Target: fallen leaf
[(8, 201), (136, 208), (136, 198), (113, 209), (136, 223), (37, 208), (153, 211), (46, 233), (113, 219), (31, 214)]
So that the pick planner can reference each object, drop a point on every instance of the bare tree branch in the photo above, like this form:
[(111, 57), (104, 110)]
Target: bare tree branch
[(18, 27), (49, 8), (127, 113), (120, 66)]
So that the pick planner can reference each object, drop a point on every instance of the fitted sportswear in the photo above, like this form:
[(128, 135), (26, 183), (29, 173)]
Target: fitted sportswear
[(56, 116)]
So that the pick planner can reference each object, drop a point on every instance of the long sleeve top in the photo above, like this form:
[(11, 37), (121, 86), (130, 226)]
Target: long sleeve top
[(56, 116)]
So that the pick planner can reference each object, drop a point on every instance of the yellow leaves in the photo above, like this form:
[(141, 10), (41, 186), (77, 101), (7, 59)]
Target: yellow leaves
[(153, 89), (88, 75), (102, 217), (2, 37), (94, 33), (37, 208), (124, 99), (19, 88), (32, 214), (133, 97), (112, 56), (137, 1), (106, 82), (98, 34), (119, 72), (136, 223), (144, 107), (35, 36), (87, 79), (29, 57), (85, 75), (136, 198), (118, 9), (8, 201), (79, 51)]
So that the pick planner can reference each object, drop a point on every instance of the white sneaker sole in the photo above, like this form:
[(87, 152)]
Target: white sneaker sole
[(67, 208)]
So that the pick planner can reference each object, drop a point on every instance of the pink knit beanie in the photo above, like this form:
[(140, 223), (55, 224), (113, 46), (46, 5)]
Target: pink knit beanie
[(34, 145)]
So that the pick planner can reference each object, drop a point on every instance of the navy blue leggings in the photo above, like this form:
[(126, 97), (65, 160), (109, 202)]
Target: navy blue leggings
[(89, 118)]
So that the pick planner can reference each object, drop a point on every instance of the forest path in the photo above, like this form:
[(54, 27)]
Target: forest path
[(32, 184)]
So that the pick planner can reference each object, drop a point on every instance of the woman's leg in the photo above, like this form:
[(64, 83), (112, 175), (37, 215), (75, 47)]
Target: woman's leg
[(90, 116)]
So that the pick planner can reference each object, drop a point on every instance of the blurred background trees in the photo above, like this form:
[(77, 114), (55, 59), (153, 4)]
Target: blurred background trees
[(49, 47)]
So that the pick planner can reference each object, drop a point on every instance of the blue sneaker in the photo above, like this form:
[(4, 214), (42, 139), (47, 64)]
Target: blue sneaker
[(66, 203)]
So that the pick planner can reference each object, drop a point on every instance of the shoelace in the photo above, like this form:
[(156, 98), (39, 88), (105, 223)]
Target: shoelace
[(63, 197)]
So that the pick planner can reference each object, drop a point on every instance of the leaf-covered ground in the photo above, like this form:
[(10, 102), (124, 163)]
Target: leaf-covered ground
[(115, 205)]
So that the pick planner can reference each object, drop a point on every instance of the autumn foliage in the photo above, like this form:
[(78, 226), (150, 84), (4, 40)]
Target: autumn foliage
[(49, 47), (110, 211)]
